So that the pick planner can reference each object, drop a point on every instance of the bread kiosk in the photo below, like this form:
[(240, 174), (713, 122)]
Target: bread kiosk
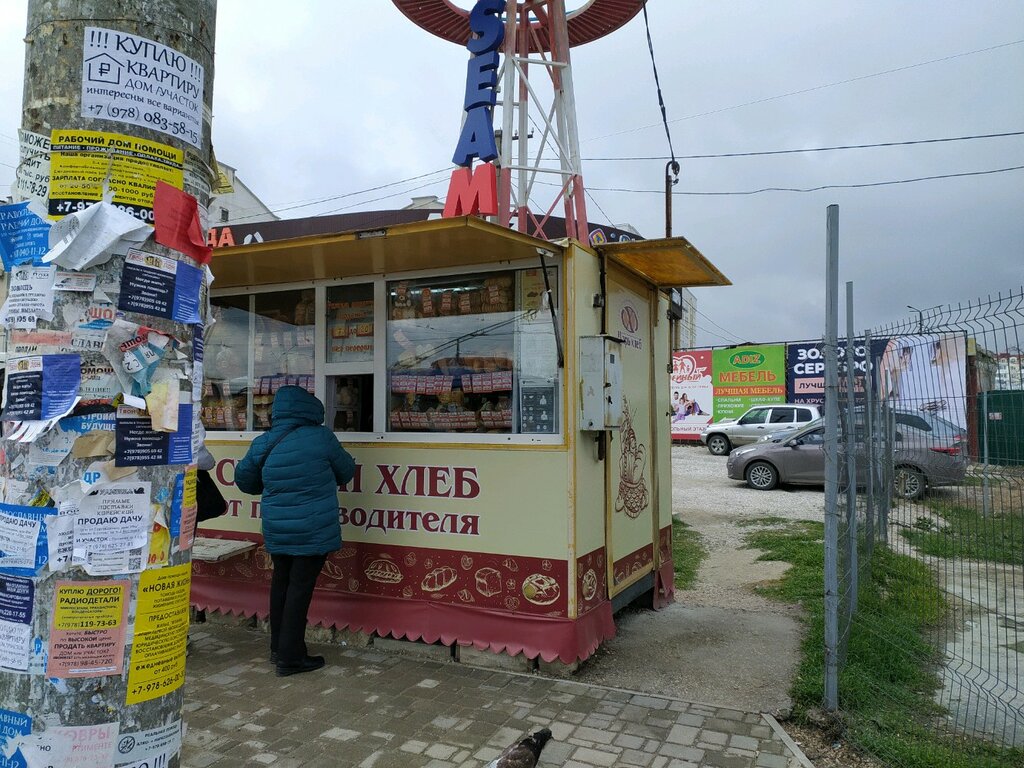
[(506, 399)]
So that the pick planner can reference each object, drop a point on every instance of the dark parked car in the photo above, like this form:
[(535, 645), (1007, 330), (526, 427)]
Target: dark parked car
[(799, 459)]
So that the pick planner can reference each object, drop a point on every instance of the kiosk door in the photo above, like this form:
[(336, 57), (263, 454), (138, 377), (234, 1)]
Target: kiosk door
[(632, 498)]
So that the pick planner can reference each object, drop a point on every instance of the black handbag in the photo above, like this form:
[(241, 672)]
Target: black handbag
[(210, 502)]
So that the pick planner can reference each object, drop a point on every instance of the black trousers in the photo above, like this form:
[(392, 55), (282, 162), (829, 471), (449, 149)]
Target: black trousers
[(291, 590)]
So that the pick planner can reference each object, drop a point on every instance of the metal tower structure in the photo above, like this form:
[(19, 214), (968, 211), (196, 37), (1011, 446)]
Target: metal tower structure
[(537, 101)]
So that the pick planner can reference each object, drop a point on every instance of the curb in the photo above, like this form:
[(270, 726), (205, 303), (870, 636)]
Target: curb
[(787, 739)]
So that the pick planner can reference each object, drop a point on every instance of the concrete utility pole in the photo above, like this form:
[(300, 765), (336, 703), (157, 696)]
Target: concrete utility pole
[(104, 645)]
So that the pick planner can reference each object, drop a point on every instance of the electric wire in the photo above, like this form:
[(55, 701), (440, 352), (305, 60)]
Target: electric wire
[(697, 193), (657, 83), (815, 88), (836, 148)]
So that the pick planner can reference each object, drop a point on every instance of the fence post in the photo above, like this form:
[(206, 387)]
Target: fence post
[(851, 458), (869, 440), (832, 460), (984, 455)]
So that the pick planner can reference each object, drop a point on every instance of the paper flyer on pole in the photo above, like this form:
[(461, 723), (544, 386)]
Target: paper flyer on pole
[(24, 237), (198, 331), (158, 286), (81, 162), (85, 746), (135, 80), (51, 449), (152, 748), (23, 542), (32, 178), (29, 298), (12, 726), (37, 342), (88, 237), (41, 387), (157, 664), (114, 518), (87, 634), (16, 597), (139, 445), (184, 507)]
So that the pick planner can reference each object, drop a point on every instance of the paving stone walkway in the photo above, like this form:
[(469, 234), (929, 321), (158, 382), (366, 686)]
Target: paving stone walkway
[(373, 709)]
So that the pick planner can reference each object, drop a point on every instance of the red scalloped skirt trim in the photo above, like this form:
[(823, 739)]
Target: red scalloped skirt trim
[(567, 640)]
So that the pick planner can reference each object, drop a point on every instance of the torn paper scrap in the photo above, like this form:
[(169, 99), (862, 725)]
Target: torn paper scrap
[(87, 238)]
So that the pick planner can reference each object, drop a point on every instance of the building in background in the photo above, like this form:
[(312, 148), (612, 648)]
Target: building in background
[(233, 202), (1010, 370)]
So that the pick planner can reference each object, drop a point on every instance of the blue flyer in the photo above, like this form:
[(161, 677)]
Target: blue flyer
[(137, 444), (24, 237), (159, 286), (176, 500), (15, 520), (16, 599), (41, 387), (12, 725)]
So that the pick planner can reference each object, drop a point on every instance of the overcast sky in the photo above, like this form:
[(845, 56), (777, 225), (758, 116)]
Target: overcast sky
[(317, 99)]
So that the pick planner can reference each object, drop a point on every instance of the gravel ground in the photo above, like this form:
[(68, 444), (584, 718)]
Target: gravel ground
[(720, 643)]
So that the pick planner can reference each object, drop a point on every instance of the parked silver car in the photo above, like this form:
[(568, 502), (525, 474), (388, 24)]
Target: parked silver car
[(799, 459), (722, 436)]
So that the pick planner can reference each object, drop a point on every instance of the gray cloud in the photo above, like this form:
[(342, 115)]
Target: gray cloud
[(315, 99)]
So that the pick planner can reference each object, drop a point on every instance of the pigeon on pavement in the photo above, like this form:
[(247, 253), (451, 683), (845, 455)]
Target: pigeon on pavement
[(524, 754)]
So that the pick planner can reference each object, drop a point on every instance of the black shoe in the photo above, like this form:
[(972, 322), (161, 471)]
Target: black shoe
[(308, 664), (273, 657)]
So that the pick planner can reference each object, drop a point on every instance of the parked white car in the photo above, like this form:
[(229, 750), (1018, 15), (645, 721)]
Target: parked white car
[(722, 436)]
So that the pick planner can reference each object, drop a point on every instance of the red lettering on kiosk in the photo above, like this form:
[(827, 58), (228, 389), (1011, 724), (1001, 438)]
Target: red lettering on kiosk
[(439, 482), (355, 485), (387, 478), (466, 485), (419, 474), (222, 478)]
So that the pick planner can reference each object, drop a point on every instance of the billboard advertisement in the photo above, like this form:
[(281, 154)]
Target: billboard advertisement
[(927, 374), (747, 376), (692, 393), (805, 363)]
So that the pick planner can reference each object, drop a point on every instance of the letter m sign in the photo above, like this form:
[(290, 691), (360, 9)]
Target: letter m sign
[(472, 192)]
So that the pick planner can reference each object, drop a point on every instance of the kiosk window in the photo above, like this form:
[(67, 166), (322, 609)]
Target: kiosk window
[(259, 344), (472, 354)]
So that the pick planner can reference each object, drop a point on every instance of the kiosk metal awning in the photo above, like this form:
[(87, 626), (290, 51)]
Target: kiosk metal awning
[(671, 262), (455, 242)]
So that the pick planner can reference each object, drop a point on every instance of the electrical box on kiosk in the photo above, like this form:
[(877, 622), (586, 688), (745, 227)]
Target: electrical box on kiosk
[(600, 383)]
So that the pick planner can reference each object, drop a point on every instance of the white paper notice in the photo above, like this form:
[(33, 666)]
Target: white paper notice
[(114, 518), (14, 642), (50, 749), (33, 174), (29, 298), (148, 747), (75, 281), (135, 80), (92, 746), (86, 238), (110, 563), (18, 536), (60, 535)]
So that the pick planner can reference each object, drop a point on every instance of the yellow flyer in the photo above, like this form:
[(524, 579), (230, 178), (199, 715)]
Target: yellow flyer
[(80, 162), (157, 664)]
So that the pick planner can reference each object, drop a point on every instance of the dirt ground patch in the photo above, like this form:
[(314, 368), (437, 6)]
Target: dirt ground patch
[(721, 643)]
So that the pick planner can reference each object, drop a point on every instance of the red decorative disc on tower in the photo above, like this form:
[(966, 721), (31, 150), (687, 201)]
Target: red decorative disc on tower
[(592, 20)]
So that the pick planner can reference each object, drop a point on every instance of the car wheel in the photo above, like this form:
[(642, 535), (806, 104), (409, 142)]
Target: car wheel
[(762, 476), (719, 445), (909, 483)]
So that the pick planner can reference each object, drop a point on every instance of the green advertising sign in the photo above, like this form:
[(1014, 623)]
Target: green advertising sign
[(747, 376)]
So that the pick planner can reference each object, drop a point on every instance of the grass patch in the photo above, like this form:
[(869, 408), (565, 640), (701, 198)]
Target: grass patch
[(967, 534), (687, 553), (746, 522), (887, 685)]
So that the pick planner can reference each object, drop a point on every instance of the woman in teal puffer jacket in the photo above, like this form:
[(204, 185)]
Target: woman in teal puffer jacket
[(297, 466)]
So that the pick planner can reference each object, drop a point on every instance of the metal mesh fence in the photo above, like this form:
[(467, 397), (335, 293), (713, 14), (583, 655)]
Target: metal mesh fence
[(930, 508)]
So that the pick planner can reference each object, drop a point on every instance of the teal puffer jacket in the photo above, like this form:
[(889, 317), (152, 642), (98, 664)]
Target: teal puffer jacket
[(300, 477)]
